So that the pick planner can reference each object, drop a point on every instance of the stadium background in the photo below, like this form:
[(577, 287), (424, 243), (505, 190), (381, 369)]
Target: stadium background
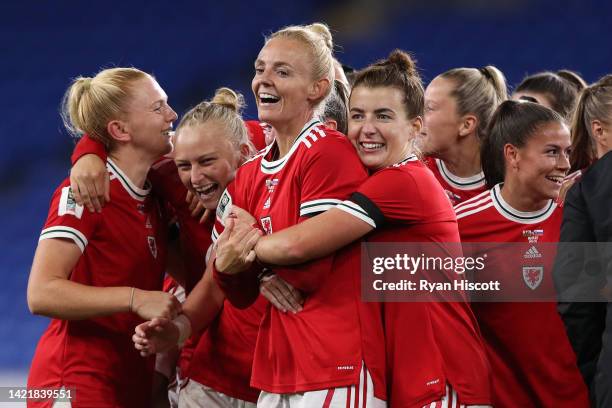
[(193, 47)]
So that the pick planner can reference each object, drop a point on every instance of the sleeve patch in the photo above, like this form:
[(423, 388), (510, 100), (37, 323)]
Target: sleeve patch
[(68, 205), (224, 207), (65, 232)]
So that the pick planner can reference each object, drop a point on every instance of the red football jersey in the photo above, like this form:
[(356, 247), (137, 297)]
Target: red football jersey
[(319, 347), (458, 189), (532, 361), (122, 246), (257, 133), (195, 239), (223, 358), (427, 344)]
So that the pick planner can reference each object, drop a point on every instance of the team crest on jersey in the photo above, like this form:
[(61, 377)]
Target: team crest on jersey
[(266, 224), (141, 208), (533, 275), (152, 246), (271, 185), (68, 204), (533, 235)]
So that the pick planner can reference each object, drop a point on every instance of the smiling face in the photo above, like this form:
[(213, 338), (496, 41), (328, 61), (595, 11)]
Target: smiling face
[(542, 163), (283, 84), (206, 160), (149, 117), (378, 126), (441, 120)]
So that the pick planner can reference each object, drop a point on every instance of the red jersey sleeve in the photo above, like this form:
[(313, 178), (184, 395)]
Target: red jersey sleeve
[(67, 219), (329, 174), (87, 145), (390, 194)]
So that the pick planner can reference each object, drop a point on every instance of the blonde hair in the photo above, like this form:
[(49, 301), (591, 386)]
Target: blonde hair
[(90, 103), (318, 39), (225, 107), (479, 92), (595, 103)]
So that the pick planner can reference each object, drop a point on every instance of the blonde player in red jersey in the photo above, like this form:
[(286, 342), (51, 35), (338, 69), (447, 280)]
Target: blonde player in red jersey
[(525, 159), (313, 357), (99, 275), (458, 106), (444, 364), (211, 141)]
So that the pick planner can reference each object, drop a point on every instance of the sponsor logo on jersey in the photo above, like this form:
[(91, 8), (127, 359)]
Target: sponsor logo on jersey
[(532, 253), (152, 246), (346, 368), (266, 224), (267, 203), (533, 235), (432, 382), (148, 222), (533, 275), (68, 204), (271, 185)]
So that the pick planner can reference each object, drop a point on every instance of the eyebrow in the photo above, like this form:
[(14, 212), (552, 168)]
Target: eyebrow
[(202, 157), (275, 65), (377, 111)]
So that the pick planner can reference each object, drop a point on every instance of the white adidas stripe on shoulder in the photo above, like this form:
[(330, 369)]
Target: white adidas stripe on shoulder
[(256, 156), (313, 136), (474, 205), (474, 201)]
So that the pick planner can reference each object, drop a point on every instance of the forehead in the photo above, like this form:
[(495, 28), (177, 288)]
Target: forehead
[(382, 97), (284, 50), (202, 139), (552, 133), (146, 91), (439, 88)]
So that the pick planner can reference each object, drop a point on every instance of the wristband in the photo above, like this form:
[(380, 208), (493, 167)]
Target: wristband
[(183, 324)]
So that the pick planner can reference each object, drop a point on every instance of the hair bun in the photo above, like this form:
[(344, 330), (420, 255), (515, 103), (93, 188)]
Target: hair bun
[(403, 61), (229, 99), (322, 30)]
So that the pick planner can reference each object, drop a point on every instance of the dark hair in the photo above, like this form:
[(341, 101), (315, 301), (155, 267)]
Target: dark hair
[(594, 103), (397, 71), (336, 107), (562, 88), (513, 122)]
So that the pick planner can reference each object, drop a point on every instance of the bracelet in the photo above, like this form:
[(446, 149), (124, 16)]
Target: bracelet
[(183, 324), (132, 298)]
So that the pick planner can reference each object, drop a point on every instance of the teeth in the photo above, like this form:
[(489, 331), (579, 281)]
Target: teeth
[(168, 132), (556, 179), (204, 191), (268, 98), (372, 145)]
